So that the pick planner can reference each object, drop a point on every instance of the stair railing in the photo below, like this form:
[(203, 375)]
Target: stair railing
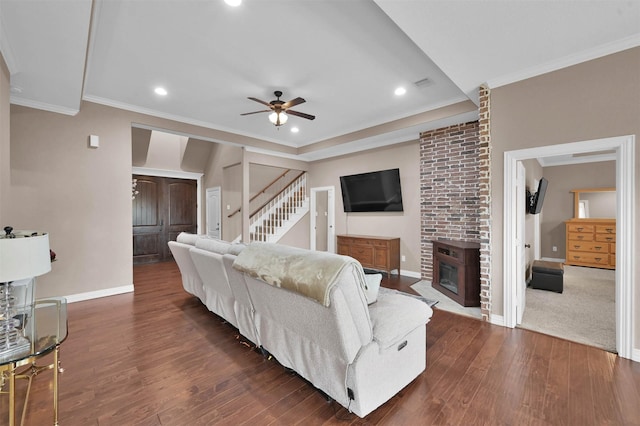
[(268, 218), (273, 188)]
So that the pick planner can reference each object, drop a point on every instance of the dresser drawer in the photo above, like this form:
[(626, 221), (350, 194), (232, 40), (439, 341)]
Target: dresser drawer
[(589, 246), (346, 241), (595, 259), (606, 238), (578, 227), (612, 248), (580, 237), (606, 229)]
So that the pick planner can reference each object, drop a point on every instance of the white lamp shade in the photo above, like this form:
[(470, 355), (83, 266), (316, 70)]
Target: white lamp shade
[(273, 117), (24, 256)]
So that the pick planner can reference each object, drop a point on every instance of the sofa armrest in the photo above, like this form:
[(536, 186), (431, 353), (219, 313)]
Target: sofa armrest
[(394, 316)]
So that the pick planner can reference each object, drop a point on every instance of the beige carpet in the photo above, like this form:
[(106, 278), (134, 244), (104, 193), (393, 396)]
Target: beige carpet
[(583, 313)]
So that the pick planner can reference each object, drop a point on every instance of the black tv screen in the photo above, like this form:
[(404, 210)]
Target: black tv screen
[(535, 205), (372, 192)]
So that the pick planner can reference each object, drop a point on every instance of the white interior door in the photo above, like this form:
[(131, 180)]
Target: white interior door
[(519, 242), (213, 213), (322, 232)]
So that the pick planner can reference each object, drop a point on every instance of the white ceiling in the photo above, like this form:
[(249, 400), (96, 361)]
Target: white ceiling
[(344, 57)]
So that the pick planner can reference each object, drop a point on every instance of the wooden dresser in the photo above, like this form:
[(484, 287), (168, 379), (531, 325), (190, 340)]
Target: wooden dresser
[(381, 253), (591, 242)]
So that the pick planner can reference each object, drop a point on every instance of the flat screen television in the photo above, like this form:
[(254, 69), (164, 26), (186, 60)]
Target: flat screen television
[(536, 200), (372, 192)]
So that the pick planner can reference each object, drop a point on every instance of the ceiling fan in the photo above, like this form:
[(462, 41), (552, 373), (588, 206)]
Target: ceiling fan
[(279, 109)]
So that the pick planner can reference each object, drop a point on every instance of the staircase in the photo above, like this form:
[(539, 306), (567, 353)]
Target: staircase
[(275, 218)]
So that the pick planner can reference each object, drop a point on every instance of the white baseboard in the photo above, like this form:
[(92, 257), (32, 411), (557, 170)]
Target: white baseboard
[(99, 293), (552, 259), (497, 320), (635, 355), (411, 274)]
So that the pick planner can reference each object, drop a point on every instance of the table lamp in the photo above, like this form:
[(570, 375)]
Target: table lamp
[(23, 255)]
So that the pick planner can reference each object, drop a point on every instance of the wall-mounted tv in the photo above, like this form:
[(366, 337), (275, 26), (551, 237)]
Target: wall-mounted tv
[(536, 200), (372, 192)]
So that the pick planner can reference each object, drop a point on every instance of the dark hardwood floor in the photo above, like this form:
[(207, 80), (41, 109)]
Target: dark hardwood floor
[(159, 357)]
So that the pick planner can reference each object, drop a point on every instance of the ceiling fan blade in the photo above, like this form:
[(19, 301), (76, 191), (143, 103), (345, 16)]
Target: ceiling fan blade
[(259, 101), (256, 112), (293, 102), (301, 114)]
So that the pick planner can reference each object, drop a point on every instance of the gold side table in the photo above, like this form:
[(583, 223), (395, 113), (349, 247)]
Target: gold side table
[(44, 324)]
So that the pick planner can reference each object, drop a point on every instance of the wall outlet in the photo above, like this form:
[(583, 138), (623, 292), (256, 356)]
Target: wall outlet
[(554, 248), (403, 258), (228, 207)]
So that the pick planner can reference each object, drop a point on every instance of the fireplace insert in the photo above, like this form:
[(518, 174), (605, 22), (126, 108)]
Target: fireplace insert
[(456, 270)]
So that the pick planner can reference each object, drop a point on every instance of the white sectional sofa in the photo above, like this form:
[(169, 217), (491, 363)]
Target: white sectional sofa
[(357, 353)]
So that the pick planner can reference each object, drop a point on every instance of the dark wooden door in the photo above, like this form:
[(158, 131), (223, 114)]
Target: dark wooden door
[(162, 209)]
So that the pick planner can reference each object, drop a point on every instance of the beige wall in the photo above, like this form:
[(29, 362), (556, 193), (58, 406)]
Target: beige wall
[(596, 99), (81, 196), (558, 203), (405, 225), (4, 141), (222, 160)]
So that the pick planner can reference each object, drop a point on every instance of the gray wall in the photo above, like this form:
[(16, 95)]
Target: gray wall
[(558, 203)]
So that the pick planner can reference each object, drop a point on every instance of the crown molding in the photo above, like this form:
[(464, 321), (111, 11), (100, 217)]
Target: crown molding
[(17, 100), (567, 61)]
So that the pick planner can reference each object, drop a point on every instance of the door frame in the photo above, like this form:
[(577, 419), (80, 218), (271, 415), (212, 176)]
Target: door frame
[(520, 240), (331, 217), (625, 232), (178, 175)]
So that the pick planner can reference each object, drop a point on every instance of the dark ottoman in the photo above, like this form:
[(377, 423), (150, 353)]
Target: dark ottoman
[(547, 276)]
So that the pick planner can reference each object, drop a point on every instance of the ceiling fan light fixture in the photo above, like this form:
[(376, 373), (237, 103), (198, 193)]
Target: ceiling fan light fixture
[(278, 118), (233, 3)]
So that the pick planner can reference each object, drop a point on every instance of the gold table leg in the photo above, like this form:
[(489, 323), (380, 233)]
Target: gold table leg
[(12, 395), (56, 369), (29, 373)]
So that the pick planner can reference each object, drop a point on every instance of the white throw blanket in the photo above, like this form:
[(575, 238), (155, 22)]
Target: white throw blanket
[(310, 273)]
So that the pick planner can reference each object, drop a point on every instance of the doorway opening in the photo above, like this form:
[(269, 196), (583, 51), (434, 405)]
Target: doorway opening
[(624, 154), (168, 203)]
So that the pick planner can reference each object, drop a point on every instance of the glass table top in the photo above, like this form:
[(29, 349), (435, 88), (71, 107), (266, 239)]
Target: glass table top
[(43, 326)]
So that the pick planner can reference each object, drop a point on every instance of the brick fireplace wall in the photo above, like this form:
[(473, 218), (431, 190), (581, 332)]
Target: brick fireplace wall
[(449, 187), (485, 201)]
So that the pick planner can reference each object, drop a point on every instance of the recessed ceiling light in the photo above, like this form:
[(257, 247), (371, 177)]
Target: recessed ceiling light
[(294, 130), (400, 91), (233, 3), (160, 91)]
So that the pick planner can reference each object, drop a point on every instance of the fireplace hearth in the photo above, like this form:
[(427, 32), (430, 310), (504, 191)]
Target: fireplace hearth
[(456, 270)]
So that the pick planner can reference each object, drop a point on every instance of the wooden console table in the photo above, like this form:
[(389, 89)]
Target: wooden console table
[(381, 253)]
